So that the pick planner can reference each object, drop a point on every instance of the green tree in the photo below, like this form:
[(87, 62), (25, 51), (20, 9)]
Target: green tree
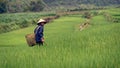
[(36, 6), (3, 4)]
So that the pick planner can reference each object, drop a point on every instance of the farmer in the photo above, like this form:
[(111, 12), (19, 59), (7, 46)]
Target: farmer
[(39, 32)]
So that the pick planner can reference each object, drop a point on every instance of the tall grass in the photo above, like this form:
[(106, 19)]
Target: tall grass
[(95, 47)]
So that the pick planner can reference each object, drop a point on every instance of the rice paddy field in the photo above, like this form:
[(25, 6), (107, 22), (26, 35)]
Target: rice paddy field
[(96, 46)]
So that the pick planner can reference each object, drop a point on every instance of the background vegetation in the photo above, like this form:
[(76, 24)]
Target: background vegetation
[(13, 6), (10, 22)]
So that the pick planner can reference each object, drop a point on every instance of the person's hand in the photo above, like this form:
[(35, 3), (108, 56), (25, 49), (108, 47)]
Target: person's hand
[(42, 39)]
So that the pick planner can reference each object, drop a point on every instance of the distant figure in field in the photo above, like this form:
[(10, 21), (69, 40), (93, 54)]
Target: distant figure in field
[(39, 32)]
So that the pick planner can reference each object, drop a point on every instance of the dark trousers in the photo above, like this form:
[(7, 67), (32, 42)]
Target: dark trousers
[(39, 43)]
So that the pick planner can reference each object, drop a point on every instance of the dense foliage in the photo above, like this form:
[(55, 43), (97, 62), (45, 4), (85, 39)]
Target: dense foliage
[(21, 5), (40, 5)]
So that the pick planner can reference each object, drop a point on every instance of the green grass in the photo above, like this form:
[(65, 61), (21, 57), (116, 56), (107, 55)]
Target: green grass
[(95, 47)]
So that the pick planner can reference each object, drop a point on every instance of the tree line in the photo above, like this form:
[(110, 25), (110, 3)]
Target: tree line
[(12, 6), (78, 2)]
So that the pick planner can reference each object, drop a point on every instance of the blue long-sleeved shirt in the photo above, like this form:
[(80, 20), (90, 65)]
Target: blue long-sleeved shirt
[(38, 33)]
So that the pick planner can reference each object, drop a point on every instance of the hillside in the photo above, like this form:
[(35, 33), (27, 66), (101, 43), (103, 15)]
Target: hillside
[(78, 2), (40, 5)]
